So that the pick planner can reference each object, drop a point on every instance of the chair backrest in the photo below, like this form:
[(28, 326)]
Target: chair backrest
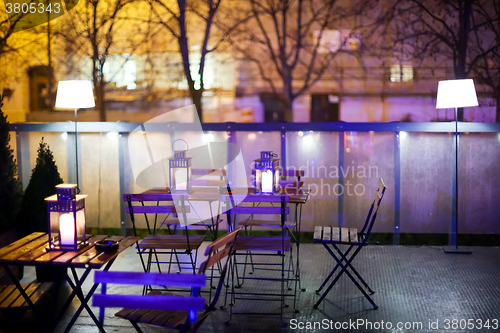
[(372, 215), (215, 253), (154, 209), (231, 208)]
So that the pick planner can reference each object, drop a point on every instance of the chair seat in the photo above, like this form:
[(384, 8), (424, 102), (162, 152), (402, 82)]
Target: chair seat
[(171, 242), (166, 318), (264, 223), (337, 235), (250, 243)]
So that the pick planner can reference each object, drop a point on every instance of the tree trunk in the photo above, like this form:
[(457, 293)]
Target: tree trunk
[(288, 110), (99, 92), (196, 97), (101, 106), (289, 97)]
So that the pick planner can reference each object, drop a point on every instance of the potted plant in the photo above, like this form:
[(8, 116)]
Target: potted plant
[(11, 191), (33, 214)]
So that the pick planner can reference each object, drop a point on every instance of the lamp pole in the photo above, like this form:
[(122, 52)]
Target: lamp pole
[(456, 249), (76, 151), (456, 94)]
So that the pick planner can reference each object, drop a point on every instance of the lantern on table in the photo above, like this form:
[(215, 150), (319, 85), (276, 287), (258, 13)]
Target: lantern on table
[(66, 212), (267, 173), (179, 171)]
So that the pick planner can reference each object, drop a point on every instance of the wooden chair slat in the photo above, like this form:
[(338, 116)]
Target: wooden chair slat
[(216, 257), (123, 313), (222, 241), (33, 245), (149, 316), (68, 256), (353, 235), (344, 235), (137, 314), (107, 257), (336, 234), (17, 244), (317, 232), (166, 317), (327, 233), (176, 320)]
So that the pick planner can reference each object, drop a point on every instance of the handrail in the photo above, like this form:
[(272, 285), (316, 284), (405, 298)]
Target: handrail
[(124, 127)]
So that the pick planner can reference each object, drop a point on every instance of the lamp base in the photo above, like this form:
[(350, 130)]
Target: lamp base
[(457, 249)]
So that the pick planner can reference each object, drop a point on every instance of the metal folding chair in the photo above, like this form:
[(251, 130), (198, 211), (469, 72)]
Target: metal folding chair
[(348, 236), (173, 245), (260, 246)]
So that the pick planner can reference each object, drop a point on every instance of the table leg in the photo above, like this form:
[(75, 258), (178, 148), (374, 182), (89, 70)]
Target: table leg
[(85, 300), (25, 296)]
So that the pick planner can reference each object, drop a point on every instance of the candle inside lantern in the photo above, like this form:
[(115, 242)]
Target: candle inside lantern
[(181, 180), (267, 181), (66, 229)]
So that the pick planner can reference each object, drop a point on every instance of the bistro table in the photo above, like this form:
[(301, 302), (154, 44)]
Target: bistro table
[(32, 251), (297, 196)]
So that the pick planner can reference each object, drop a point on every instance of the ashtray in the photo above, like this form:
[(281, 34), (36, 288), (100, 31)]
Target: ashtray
[(106, 246)]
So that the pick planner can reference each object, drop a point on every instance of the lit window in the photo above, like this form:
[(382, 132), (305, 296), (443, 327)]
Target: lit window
[(401, 73), (121, 71)]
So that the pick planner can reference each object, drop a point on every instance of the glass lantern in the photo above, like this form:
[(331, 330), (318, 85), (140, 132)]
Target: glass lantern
[(267, 173), (66, 212), (179, 172)]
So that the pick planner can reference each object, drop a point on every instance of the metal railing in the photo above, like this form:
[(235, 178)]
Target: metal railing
[(403, 151)]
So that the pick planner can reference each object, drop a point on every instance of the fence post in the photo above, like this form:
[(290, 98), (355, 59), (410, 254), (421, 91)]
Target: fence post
[(397, 187)]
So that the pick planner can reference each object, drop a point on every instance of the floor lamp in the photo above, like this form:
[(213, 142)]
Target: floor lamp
[(456, 94), (75, 94)]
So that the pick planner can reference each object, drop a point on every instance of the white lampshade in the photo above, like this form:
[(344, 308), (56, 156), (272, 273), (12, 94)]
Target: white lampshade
[(456, 94), (74, 94)]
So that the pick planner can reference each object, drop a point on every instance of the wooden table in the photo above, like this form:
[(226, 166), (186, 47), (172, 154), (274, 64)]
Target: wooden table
[(32, 251)]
